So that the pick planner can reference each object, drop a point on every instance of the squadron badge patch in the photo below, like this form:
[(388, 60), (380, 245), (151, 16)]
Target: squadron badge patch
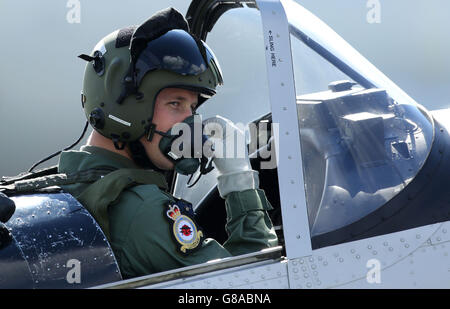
[(184, 229)]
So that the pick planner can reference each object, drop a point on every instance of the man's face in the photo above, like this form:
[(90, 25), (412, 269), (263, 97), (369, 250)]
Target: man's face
[(172, 106)]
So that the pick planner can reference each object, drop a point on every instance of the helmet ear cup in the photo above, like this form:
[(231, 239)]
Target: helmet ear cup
[(97, 118)]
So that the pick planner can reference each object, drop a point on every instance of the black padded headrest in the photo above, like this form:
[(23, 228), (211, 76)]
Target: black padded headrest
[(124, 36), (157, 25)]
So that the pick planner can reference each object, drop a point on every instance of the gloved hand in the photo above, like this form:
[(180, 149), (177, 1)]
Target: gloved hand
[(230, 156)]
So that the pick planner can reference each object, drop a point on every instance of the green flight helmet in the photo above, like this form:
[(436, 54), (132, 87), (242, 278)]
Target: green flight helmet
[(129, 67)]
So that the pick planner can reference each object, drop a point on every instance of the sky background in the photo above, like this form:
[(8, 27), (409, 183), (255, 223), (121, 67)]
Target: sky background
[(41, 76)]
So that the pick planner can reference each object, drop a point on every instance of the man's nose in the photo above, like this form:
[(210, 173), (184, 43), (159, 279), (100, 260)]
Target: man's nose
[(187, 112)]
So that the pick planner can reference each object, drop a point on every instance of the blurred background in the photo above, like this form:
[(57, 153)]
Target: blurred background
[(41, 76)]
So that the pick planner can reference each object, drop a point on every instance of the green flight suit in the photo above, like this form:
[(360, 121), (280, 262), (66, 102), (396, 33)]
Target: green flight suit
[(140, 234)]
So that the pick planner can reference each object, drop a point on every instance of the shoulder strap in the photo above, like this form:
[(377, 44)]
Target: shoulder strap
[(98, 196), (33, 182), (7, 180), (107, 185)]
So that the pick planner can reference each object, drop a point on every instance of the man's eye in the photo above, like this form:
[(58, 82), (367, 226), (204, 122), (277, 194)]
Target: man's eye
[(175, 104)]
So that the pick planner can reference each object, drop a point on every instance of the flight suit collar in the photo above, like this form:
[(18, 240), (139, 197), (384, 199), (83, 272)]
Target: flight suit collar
[(92, 157)]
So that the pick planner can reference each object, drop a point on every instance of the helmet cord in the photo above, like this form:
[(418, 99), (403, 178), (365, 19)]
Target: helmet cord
[(205, 167), (67, 148)]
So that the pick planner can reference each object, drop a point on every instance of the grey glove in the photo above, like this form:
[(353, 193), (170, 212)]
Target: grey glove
[(230, 156)]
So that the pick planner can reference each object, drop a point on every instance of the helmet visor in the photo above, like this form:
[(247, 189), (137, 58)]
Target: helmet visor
[(177, 51)]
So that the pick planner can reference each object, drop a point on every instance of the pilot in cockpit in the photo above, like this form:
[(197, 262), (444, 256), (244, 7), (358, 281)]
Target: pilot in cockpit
[(139, 82)]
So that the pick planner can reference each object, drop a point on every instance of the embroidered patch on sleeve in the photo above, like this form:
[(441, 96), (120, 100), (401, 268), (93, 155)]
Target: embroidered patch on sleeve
[(184, 229)]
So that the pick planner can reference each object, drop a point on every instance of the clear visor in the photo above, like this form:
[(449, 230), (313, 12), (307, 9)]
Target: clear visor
[(177, 51)]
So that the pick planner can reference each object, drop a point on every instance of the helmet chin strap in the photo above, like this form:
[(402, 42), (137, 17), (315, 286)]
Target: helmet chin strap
[(119, 145), (152, 130), (138, 152), (140, 157), (205, 167)]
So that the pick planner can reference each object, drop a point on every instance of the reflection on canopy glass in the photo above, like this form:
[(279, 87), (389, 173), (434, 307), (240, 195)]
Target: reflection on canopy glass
[(360, 148), (362, 140)]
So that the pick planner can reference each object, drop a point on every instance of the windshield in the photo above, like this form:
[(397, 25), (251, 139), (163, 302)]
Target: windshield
[(362, 138)]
